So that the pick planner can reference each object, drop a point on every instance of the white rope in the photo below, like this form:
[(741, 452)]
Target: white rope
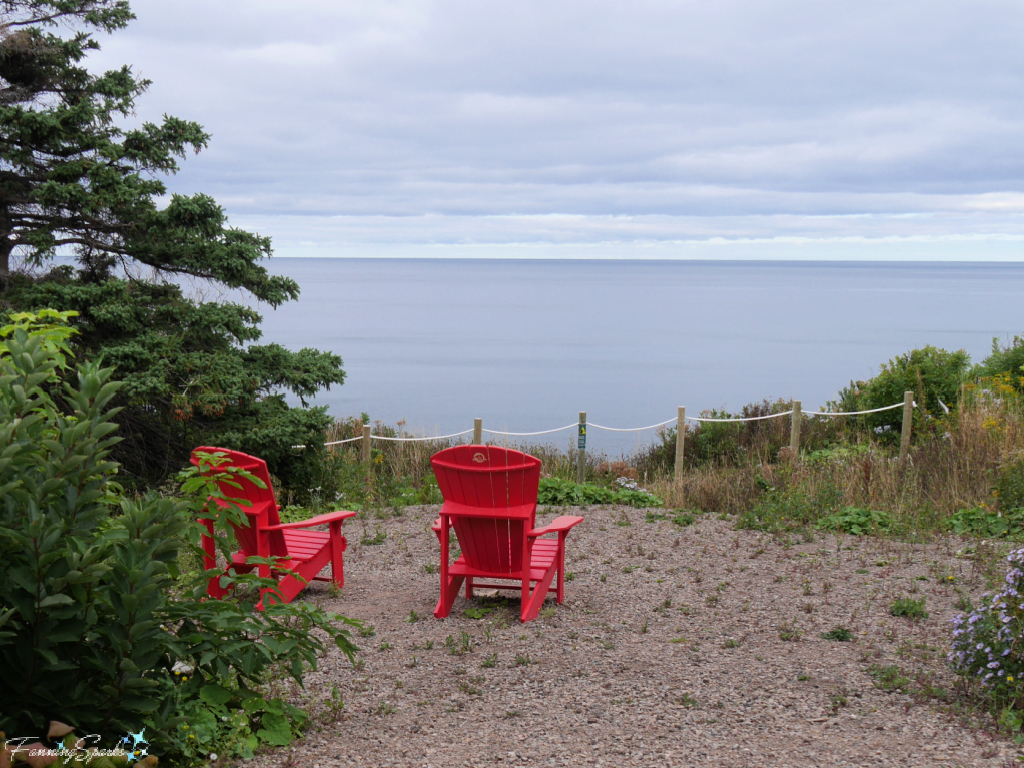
[(338, 442), (632, 429), (751, 418), (528, 434), (610, 429), (418, 439), (855, 413)]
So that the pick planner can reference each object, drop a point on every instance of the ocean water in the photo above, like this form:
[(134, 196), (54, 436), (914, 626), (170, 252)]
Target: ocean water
[(528, 344)]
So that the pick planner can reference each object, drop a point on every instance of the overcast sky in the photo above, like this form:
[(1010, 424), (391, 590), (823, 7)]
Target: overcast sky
[(563, 128)]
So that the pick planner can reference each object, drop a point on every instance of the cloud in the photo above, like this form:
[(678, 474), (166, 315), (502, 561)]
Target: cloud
[(419, 123)]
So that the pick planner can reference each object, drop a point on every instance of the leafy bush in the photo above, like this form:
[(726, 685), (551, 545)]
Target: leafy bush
[(95, 617), (554, 491), (932, 374), (986, 642), (856, 520), (986, 523)]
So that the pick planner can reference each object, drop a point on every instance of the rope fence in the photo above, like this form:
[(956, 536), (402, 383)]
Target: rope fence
[(796, 415)]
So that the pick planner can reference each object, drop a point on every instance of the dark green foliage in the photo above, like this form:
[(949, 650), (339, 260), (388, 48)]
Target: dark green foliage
[(838, 633), (932, 374), (987, 523), (94, 614), (856, 520), (557, 492), (75, 183)]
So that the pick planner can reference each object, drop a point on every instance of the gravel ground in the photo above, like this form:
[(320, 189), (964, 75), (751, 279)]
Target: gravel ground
[(667, 651)]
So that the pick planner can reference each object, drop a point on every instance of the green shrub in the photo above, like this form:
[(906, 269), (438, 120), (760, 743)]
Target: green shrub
[(554, 491), (986, 523), (932, 374), (95, 617), (856, 520)]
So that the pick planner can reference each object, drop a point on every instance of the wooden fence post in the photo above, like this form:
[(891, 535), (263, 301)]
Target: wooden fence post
[(680, 440), (366, 444), (581, 454), (908, 421), (794, 432), (478, 431)]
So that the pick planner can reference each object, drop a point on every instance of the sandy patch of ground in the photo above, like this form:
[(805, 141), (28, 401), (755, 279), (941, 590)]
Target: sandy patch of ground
[(673, 659)]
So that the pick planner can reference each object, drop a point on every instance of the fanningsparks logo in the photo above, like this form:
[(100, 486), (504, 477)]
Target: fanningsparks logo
[(132, 750)]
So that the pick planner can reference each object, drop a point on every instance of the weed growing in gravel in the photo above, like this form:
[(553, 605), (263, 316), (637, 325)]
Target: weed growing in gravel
[(367, 630), (789, 632), (548, 613), (889, 678), (371, 541), (523, 660), (430, 567), (476, 613), (731, 643), (490, 662), (908, 607), (384, 708), (385, 645), (838, 633), (688, 701), (429, 645), (413, 617), (359, 665), (468, 689), (570, 576)]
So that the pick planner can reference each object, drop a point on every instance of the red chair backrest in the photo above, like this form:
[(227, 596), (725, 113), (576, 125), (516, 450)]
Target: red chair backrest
[(493, 481), (246, 536)]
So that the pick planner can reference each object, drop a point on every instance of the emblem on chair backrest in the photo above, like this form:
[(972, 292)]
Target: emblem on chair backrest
[(479, 458)]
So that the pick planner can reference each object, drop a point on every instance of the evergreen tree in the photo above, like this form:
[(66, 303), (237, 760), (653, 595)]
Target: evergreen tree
[(77, 182)]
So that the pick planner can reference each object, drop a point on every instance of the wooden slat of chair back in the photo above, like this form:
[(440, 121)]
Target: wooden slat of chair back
[(257, 467)]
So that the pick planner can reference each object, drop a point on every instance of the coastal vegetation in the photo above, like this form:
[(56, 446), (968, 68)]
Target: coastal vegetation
[(87, 225)]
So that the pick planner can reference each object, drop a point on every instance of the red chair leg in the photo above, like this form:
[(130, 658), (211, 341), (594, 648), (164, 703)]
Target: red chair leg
[(531, 607), (560, 588), (448, 595), (469, 587), (338, 545)]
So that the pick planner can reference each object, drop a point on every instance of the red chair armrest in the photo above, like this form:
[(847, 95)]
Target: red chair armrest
[(330, 517), (559, 524)]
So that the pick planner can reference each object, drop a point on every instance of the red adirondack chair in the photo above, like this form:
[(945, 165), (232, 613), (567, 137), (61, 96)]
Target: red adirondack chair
[(303, 554), (490, 499)]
